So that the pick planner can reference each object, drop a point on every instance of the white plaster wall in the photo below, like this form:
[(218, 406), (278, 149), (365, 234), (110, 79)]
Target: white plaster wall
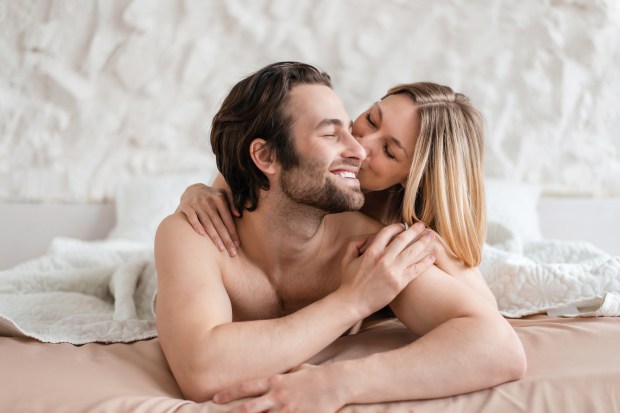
[(94, 92)]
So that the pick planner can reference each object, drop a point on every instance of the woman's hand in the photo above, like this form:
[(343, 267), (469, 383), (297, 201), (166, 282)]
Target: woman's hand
[(208, 210), (304, 389), (375, 271)]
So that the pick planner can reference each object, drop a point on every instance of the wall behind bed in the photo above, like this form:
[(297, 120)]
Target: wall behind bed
[(95, 92)]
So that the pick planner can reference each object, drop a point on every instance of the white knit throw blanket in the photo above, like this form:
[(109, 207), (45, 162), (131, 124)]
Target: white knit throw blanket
[(102, 291)]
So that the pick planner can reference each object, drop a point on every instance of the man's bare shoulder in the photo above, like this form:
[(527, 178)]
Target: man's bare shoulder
[(353, 224), (176, 242)]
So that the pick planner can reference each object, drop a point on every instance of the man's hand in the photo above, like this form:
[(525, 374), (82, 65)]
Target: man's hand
[(374, 272), (304, 389)]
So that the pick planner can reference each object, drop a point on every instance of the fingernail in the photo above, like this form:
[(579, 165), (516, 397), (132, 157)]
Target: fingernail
[(431, 258), (220, 246), (216, 398), (429, 236), (418, 226), (236, 243), (232, 251)]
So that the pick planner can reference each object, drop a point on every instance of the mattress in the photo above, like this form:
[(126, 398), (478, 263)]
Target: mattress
[(573, 366)]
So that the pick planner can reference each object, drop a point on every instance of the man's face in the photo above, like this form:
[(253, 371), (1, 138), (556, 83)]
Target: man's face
[(329, 156)]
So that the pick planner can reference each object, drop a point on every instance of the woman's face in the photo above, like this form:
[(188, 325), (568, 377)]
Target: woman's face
[(388, 132)]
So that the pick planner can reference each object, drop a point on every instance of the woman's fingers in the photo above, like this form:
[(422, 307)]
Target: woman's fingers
[(231, 230), (231, 204), (206, 221), (219, 231), (209, 212), (193, 219)]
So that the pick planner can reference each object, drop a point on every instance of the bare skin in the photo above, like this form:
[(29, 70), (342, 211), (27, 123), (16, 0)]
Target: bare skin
[(387, 131), (232, 327), (210, 212)]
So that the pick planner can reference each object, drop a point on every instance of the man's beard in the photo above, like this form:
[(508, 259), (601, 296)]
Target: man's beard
[(306, 185)]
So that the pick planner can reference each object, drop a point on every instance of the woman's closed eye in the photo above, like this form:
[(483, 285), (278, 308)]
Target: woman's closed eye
[(388, 153), (370, 121)]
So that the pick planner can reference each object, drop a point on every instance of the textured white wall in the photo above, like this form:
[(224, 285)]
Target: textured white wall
[(93, 92)]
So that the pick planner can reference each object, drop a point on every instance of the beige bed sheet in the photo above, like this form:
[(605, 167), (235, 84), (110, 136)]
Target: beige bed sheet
[(574, 366)]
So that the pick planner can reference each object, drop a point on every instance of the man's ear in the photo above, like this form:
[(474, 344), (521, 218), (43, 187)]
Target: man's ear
[(262, 157)]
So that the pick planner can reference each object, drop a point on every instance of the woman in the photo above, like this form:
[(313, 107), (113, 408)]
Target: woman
[(424, 163)]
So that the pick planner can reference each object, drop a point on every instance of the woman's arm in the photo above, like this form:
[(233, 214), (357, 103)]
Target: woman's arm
[(472, 277)]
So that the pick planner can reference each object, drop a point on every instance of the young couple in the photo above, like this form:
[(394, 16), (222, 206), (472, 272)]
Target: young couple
[(300, 268)]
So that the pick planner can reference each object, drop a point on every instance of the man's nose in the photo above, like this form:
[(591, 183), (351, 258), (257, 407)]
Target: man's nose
[(353, 148), (367, 142)]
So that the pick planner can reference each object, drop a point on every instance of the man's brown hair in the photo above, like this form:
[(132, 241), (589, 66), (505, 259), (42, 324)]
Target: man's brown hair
[(256, 108)]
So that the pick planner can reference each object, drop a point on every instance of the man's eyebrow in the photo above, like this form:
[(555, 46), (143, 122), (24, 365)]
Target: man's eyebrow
[(393, 139), (334, 122)]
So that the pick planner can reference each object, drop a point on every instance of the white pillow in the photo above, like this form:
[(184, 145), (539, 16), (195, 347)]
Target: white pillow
[(514, 206), (142, 203)]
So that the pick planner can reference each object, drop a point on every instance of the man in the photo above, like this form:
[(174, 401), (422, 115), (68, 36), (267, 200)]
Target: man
[(231, 327)]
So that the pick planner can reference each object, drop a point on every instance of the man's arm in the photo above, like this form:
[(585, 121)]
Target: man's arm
[(207, 351), (204, 348), (465, 345)]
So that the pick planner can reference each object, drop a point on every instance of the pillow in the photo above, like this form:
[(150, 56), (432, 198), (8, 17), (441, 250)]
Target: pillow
[(142, 203), (514, 206)]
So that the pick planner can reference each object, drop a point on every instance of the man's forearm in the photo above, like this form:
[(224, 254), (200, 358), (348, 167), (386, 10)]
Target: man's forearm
[(460, 356), (234, 352)]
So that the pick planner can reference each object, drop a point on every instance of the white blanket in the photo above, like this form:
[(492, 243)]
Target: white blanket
[(558, 277), (81, 292), (102, 291)]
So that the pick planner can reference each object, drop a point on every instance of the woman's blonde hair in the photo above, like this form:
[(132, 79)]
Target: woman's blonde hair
[(445, 186)]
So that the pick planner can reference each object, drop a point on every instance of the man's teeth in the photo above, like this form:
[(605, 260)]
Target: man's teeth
[(349, 175)]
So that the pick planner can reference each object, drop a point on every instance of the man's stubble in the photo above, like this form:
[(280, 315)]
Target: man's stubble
[(307, 184)]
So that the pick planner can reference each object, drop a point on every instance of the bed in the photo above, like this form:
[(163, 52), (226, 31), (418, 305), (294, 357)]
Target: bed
[(101, 354)]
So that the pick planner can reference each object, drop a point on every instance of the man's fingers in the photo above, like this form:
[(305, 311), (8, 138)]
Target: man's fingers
[(417, 250), (383, 238), (366, 244), (414, 270), (303, 366), (353, 250), (246, 389), (259, 405), (403, 240)]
